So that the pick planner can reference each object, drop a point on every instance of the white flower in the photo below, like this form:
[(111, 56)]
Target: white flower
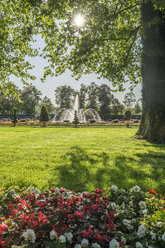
[(123, 205), (142, 204), (145, 211), (141, 231), (153, 236), (113, 205), (163, 236), (114, 188), (135, 189), (69, 236), (133, 221), (53, 235), (62, 239), (12, 192), (96, 245), (29, 235), (57, 191), (139, 245), (159, 224), (114, 244), (127, 223), (84, 243), (123, 240), (77, 246)]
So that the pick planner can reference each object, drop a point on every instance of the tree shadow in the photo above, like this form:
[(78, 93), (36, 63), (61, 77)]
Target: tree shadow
[(83, 171)]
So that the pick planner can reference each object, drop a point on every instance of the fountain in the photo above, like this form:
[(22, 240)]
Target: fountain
[(68, 114)]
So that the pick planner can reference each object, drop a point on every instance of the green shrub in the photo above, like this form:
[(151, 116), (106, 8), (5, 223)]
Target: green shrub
[(76, 120), (44, 113), (92, 121), (127, 115)]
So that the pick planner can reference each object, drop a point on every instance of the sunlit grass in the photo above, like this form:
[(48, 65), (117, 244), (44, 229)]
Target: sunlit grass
[(79, 158)]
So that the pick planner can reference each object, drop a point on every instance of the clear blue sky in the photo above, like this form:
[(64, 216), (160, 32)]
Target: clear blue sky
[(48, 87)]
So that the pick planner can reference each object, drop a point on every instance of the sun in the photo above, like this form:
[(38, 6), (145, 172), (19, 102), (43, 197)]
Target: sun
[(79, 20)]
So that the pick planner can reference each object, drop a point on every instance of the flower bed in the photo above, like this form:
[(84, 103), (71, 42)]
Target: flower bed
[(63, 218)]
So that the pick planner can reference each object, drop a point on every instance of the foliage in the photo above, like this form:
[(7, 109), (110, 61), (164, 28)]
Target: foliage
[(137, 108), (129, 100), (15, 120), (127, 115), (76, 120), (18, 26), (44, 113), (9, 100), (116, 106), (47, 102), (92, 96), (64, 218), (82, 96), (30, 97), (105, 98), (64, 96)]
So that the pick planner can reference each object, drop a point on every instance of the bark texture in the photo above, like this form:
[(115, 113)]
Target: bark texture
[(152, 126)]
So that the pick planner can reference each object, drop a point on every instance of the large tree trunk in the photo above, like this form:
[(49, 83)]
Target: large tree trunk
[(152, 126)]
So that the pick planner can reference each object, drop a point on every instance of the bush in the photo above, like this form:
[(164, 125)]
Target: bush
[(116, 121), (44, 114), (63, 218), (92, 121)]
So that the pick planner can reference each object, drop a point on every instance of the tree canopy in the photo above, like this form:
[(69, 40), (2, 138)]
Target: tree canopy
[(108, 44)]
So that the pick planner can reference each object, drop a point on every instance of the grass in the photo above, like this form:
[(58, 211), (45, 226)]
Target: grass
[(79, 158)]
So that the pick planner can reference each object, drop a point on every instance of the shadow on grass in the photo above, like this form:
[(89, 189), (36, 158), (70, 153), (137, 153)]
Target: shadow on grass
[(83, 171)]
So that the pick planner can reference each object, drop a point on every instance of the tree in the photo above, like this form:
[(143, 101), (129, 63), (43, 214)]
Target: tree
[(114, 42), (64, 96), (153, 116), (129, 100), (105, 98), (92, 96), (117, 107), (30, 98), (49, 105), (82, 96), (9, 101), (137, 108), (17, 29), (109, 44)]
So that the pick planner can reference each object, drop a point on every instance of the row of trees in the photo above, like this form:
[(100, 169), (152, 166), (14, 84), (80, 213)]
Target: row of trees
[(26, 101), (99, 98)]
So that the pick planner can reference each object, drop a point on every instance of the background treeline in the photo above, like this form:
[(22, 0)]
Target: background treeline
[(25, 101), (99, 98)]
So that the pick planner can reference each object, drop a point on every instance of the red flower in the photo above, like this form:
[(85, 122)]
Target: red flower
[(99, 191), (121, 243), (98, 237), (2, 243), (85, 234), (78, 214), (152, 191)]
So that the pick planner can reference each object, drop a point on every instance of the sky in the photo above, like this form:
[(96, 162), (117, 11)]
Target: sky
[(51, 83)]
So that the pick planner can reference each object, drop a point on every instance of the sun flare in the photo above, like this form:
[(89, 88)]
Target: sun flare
[(79, 20)]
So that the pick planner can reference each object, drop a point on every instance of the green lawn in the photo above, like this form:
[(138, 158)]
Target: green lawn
[(79, 158)]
